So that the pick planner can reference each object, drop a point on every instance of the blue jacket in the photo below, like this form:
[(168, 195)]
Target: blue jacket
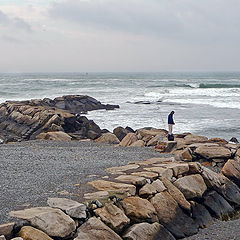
[(170, 119)]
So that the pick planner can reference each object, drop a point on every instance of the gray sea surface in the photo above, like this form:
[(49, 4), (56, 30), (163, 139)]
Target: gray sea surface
[(204, 103)]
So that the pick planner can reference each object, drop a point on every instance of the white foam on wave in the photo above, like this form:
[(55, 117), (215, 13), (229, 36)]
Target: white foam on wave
[(219, 103)]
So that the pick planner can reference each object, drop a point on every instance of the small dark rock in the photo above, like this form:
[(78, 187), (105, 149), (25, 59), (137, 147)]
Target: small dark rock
[(234, 140)]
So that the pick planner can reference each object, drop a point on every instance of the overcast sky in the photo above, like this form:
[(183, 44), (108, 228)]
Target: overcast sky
[(119, 35)]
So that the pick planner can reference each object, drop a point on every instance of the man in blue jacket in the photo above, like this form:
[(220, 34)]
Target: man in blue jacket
[(170, 123)]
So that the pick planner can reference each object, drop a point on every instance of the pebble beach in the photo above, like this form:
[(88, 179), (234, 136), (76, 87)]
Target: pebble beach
[(32, 171)]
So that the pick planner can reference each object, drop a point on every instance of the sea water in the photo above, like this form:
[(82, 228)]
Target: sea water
[(204, 103)]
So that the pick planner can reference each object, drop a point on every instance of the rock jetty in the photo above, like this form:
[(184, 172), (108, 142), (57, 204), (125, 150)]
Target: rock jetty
[(60, 118), (158, 198)]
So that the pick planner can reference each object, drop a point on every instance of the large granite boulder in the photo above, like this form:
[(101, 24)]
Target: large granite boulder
[(177, 195), (139, 210), (72, 208), (191, 138), (57, 136), (109, 138), (52, 221), (30, 233), (209, 152), (128, 140), (147, 231), (231, 169), (201, 215), (114, 187), (95, 229), (172, 217), (192, 186), (217, 205), (113, 216), (221, 184), (120, 132)]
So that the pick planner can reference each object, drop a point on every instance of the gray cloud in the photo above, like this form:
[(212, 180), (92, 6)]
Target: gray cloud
[(11, 39), (16, 22), (185, 20)]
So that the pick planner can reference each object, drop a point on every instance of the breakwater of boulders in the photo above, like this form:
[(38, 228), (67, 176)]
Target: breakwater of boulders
[(159, 198)]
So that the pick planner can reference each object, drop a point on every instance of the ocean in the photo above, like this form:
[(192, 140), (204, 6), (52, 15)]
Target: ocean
[(204, 103)]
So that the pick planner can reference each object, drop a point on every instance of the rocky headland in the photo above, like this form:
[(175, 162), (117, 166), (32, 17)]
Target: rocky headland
[(166, 197)]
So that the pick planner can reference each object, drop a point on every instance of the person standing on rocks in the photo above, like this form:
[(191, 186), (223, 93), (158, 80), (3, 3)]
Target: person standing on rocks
[(170, 123)]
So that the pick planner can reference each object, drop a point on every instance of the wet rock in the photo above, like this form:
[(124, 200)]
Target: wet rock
[(234, 140), (31, 233), (222, 185), (231, 170), (114, 187), (146, 231), (72, 208), (113, 216), (120, 132), (217, 205), (139, 210), (95, 229), (6, 229), (52, 221), (109, 138), (172, 217), (177, 195), (200, 215), (192, 186)]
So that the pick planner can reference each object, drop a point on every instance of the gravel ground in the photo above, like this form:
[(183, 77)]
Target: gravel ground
[(219, 231), (32, 171)]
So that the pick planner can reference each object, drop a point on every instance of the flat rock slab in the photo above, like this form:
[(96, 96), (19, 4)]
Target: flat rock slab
[(149, 175), (178, 168), (139, 210), (151, 189), (213, 152), (135, 180), (114, 187), (217, 205), (71, 207), (163, 172), (52, 221), (119, 170), (147, 231), (155, 160), (192, 186), (30, 233), (113, 216), (172, 217), (95, 229), (96, 195)]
